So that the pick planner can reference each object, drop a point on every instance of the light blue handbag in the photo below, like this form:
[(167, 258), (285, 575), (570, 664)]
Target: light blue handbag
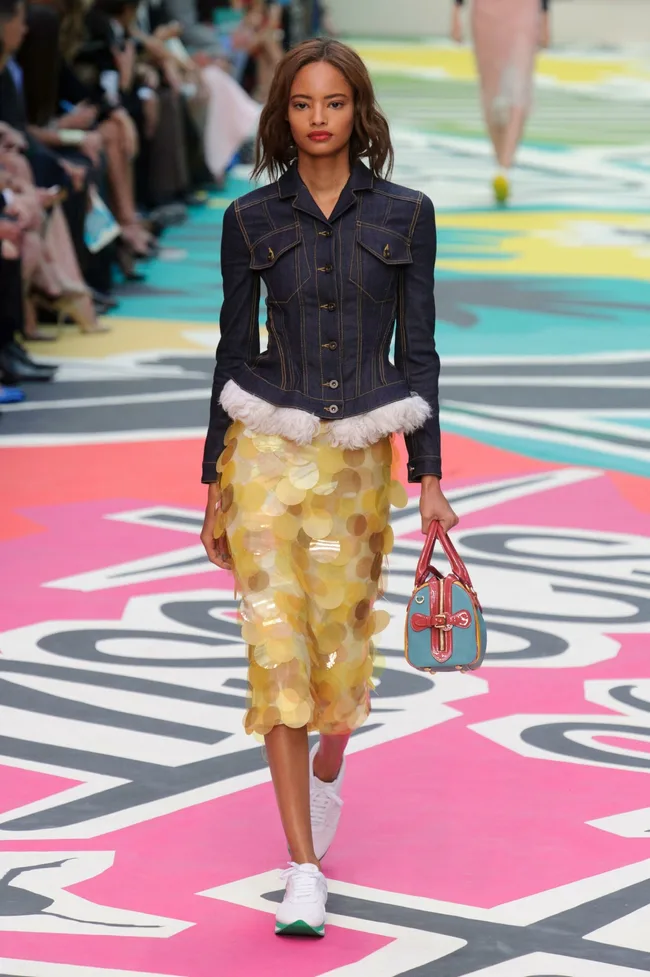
[(445, 630)]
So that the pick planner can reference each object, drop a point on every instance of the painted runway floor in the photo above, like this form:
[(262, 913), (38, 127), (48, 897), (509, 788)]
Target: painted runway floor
[(495, 824)]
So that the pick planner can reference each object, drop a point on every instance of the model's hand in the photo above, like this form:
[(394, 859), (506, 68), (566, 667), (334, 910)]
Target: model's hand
[(10, 231), (457, 33), (434, 506), (83, 116), (217, 549)]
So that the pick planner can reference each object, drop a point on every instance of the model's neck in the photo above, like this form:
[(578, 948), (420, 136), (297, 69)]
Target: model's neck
[(324, 175)]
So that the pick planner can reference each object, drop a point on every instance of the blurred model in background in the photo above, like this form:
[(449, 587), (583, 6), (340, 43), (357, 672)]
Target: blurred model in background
[(506, 35)]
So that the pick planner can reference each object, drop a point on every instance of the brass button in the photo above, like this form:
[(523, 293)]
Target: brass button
[(333, 409), (387, 251), (271, 254), (327, 269), (328, 306), (324, 233), (332, 345), (333, 384)]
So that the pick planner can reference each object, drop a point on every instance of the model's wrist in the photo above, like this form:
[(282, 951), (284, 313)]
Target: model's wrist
[(430, 483)]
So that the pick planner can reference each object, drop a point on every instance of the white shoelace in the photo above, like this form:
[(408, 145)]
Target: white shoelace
[(320, 803), (303, 884)]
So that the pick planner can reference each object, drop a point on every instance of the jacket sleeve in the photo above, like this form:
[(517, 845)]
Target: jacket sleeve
[(240, 331), (415, 348)]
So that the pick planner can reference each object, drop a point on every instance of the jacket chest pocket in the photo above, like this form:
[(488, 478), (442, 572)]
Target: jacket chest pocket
[(377, 258), (281, 259)]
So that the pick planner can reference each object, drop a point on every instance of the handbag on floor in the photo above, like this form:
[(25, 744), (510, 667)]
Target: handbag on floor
[(445, 630)]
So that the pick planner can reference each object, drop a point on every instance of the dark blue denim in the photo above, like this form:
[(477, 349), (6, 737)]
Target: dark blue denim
[(336, 290)]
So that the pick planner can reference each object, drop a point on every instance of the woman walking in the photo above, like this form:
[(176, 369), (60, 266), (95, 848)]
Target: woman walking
[(298, 452), (506, 36)]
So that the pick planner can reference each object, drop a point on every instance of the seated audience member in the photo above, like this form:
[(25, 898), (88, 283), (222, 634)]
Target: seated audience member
[(50, 268), (260, 36), (229, 116), (56, 99)]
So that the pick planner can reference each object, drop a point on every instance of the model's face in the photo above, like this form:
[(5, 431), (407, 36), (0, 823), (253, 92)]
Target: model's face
[(321, 110), (14, 31)]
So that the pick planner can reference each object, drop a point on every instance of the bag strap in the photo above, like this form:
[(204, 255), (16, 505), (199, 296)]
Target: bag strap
[(436, 532)]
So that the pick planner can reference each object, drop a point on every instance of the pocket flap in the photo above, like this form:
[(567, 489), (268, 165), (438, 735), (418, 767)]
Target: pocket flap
[(269, 248), (389, 247)]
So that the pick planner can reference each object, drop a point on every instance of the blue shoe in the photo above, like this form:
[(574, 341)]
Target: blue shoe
[(11, 395)]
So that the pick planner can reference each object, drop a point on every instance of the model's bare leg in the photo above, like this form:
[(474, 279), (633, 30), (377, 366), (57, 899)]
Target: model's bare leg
[(511, 137), (119, 173), (288, 753), (328, 760)]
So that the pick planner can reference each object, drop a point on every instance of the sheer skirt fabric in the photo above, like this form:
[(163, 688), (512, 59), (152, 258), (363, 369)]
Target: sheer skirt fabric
[(307, 527)]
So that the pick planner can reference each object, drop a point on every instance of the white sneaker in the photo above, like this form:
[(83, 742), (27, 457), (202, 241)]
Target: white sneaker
[(302, 911), (325, 804)]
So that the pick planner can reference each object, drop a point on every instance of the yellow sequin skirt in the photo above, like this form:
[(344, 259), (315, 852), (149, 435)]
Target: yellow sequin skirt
[(307, 527)]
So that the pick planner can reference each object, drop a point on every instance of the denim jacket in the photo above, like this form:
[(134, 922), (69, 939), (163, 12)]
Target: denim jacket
[(337, 290)]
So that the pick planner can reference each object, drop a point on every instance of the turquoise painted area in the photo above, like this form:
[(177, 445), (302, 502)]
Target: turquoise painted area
[(642, 421), (563, 316), (185, 284)]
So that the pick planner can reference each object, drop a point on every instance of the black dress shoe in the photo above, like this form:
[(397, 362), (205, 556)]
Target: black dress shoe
[(13, 370), (103, 300), (20, 353)]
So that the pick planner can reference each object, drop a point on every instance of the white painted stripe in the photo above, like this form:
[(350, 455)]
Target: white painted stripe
[(117, 400), (113, 437), (40, 968), (528, 432), (507, 380)]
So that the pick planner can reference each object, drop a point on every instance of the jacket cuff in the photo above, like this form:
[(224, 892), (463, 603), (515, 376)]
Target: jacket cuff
[(210, 473), (423, 465)]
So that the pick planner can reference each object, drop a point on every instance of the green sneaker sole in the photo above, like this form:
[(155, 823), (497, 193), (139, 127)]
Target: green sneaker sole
[(299, 928)]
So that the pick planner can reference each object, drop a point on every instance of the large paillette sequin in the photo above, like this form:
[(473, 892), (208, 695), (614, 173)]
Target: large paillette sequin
[(308, 530)]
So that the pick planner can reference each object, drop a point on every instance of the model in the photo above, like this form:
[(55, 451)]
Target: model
[(298, 454), (506, 35)]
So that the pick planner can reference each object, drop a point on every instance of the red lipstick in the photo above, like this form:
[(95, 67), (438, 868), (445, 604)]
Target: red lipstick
[(321, 135)]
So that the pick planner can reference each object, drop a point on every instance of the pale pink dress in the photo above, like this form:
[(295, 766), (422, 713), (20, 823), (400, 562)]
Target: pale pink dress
[(232, 118), (506, 35)]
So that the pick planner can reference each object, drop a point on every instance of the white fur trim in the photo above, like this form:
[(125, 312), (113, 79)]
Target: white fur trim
[(263, 418), (401, 417)]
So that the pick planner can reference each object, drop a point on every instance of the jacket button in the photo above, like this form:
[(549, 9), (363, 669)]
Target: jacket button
[(333, 384), (327, 269), (332, 345), (333, 409), (324, 233), (331, 306)]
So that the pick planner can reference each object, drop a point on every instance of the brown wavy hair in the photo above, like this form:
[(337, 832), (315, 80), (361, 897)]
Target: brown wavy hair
[(274, 146)]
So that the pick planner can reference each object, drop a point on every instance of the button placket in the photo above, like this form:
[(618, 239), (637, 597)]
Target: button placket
[(325, 267)]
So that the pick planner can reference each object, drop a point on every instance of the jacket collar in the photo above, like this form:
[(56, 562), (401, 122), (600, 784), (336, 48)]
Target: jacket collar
[(290, 185)]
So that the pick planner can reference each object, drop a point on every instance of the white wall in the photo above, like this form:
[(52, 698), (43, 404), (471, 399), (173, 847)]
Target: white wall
[(574, 21)]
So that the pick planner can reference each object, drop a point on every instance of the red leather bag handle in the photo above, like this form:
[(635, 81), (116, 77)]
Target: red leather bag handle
[(436, 532)]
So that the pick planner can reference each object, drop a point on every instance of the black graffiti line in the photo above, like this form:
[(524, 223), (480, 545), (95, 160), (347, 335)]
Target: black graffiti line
[(147, 782), (488, 943), (642, 605), (536, 425), (535, 568), (66, 644), (25, 902), (38, 703), (624, 695), (124, 683), (495, 542)]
